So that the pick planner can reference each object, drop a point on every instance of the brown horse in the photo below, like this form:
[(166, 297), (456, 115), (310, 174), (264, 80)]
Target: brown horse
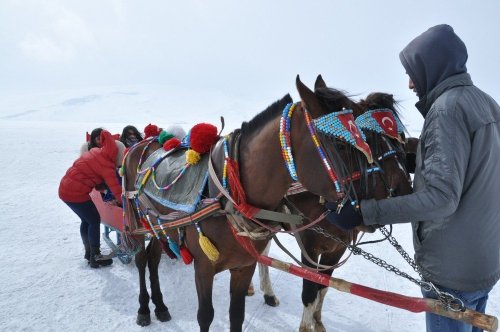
[(265, 182), (321, 252)]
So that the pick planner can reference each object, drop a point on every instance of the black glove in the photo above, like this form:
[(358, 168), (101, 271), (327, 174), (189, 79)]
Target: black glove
[(347, 219)]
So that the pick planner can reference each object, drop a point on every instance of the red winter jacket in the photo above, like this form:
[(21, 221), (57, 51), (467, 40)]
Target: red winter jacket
[(92, 168)]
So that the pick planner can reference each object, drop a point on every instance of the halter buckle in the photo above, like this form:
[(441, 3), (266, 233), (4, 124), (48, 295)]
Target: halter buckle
[(341, 204)]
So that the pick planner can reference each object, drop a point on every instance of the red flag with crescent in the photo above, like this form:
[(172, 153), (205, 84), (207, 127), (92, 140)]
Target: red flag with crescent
[(349, 124), (388, 123)]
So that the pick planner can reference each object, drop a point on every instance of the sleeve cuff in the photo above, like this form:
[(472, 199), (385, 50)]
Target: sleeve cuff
[(369, 209)]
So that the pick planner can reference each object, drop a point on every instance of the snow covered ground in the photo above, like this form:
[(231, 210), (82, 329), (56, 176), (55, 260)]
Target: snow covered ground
[(46, 285)]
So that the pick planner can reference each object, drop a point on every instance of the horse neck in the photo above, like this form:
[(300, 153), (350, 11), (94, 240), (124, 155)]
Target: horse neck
[(132, 161), (262, 171)]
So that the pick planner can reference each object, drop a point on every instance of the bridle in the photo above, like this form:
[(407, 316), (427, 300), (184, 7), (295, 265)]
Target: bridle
[(333, 126), (374, 122)]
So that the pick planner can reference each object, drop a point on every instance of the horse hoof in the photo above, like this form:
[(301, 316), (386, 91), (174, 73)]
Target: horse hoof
[(143, 319), (271, 300), (250, 291), (163, 316), (319, 327)]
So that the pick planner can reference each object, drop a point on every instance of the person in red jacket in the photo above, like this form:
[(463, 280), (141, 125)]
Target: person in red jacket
[(93, 141), (91, 169)]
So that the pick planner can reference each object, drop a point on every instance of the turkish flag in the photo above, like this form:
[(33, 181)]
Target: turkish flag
[(388, 123), (349, 124)]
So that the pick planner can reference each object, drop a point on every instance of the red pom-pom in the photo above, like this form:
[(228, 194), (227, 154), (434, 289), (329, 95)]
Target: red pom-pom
[(202, 137), (187, 258), (151, 130), (171, 144)]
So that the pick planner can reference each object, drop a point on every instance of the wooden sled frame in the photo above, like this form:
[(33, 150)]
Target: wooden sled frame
[(112, 219)]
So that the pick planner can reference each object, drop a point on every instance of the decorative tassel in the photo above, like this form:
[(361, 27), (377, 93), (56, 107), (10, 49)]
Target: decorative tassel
[(167, 250), (192, 157), (207, 246), (145, 224), (174, 247), (187, 258)]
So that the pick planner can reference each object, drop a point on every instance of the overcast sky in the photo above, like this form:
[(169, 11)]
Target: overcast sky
[(247, 49)]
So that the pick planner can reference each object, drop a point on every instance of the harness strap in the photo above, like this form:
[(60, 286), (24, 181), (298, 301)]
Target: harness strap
[(292, 219), (240, 224), (319, 267), (263, 214), (176, 219)]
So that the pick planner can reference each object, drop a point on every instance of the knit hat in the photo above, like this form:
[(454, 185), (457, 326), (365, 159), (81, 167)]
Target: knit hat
[(121, 151)]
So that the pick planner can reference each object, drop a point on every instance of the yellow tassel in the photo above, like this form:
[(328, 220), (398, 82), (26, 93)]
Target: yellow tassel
[(192, 157), (208, 247)]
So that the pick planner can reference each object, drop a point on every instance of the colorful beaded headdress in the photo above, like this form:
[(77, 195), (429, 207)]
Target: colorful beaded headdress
[(381, 121), (342, 125)]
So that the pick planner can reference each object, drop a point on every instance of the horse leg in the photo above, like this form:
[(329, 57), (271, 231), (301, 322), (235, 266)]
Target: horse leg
[(318, 325), (143, 314), (263, 275), (204, 278), (161, 310), (240, 279), (265, 281), (251, 289), (310, 301), (326, 259)]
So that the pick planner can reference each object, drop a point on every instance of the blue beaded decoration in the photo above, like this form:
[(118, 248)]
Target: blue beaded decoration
[(331, 125), (366, 121)]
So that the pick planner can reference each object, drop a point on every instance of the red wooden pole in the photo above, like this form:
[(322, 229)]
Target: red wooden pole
[(413, 304)]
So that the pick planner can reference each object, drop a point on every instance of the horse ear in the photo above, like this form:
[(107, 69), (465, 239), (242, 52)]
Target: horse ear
[(320, 83), (309, 100)]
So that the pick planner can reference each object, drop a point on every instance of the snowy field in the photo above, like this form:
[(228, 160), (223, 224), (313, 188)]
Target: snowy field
[(46, 285)]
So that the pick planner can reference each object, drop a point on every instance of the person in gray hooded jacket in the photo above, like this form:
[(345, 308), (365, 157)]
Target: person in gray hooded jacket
[(454, 208)]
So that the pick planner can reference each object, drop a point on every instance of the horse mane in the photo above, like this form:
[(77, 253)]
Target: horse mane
[(265, 116), (332, 99), (377, 100)]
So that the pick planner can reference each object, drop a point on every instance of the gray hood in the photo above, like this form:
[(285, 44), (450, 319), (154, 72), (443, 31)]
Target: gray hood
[(432, 57)]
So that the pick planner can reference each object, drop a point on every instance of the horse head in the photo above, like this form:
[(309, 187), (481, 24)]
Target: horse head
[(335, 163), (385, 133)]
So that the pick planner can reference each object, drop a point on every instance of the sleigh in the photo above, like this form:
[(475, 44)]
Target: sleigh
[(112, 219)]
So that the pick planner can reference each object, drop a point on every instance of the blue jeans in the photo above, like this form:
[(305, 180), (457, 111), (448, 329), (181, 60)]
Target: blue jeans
[(475, 300), (91, 222)]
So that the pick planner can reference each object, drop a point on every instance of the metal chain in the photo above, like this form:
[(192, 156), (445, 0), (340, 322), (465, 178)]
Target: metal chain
[(378, 261), (400, 249), (449, 301)]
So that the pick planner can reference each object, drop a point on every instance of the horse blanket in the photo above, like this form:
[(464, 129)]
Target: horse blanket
[(174, 183)]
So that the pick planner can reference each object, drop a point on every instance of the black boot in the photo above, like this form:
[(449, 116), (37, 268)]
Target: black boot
[(87, 251), (96, 259)]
